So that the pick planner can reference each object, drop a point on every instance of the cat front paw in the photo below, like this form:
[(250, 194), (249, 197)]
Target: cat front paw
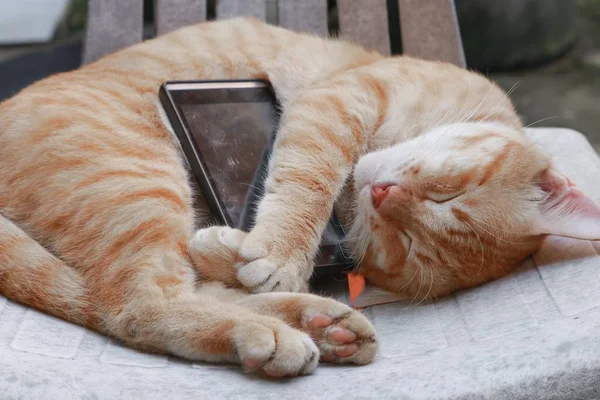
[(272, 267), (215, 252)]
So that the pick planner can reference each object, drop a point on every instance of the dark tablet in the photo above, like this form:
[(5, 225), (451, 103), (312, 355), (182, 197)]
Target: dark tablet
[(226, 130)]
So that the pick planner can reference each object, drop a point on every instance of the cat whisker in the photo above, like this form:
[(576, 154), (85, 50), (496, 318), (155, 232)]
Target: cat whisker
[(541, 120), (434, 269), (443, 120), (478, 222), (496, 228), (506, 95), (512, 88), (427, 151), (480, 245), (474, 111), (260, 189), (498, 237), (430, 286), (409, 282), (424, 298), (411, 304)]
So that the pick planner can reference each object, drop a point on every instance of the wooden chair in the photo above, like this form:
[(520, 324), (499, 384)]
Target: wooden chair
[(429, 27)]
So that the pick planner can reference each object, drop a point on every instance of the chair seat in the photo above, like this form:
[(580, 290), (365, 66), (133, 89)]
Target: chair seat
[(534, 334)]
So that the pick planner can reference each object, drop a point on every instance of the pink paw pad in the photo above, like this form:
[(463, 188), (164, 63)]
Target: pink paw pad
[(346, 351), (250, 363), (341, 335), (320, 321)]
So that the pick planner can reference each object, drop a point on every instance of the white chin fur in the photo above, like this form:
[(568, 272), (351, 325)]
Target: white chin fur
[(359, 235)]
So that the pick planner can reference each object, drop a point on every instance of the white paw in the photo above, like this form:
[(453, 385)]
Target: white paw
[(215, 252), (272, 347), (285, 271), (215, 237)]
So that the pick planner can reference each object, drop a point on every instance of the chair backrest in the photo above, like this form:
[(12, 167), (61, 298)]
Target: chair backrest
[(429, 27)]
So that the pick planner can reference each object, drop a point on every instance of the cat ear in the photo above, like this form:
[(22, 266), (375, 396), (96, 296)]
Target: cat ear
[(566, 211)]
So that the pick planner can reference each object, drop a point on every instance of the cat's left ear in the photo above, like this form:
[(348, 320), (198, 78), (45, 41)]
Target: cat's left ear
[(566, 211)]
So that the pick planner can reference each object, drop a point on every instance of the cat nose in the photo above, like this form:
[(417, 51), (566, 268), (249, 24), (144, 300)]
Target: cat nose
[(379, 193)]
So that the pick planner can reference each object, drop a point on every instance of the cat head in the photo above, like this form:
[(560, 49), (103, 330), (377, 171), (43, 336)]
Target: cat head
[(458, 206)]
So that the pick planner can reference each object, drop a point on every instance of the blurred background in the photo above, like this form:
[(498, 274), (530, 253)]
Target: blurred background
[(548, 51)]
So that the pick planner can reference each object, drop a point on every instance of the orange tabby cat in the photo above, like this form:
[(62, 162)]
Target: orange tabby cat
[(446, 190)]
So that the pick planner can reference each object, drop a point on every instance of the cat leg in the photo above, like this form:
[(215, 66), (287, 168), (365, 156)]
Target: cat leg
[(343, 335), (320, 138), (31, 275), (215, 253), (160, 318), (204, 328), (149, 301)]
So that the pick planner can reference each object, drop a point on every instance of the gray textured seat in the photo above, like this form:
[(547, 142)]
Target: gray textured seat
[(532, 335)]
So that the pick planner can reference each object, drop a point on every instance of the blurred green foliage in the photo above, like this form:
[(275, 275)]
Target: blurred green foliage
[(74, 21), (591, 8)]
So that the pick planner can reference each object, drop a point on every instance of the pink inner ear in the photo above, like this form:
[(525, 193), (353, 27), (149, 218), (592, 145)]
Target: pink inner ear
[(567, 211)]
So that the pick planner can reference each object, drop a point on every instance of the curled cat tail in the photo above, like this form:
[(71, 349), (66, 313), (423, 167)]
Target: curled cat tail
[(32, 276)]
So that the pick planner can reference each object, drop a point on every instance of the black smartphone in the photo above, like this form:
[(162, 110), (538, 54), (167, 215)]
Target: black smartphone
[(226, 130)]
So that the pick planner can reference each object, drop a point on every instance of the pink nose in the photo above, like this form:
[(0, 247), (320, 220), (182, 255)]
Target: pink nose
[(379, 193)]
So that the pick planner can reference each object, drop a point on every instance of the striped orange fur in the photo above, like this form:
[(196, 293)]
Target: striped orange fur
[(97, 218)]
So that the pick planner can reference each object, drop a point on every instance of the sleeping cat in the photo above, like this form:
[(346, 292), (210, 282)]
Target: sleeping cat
[(427, 163)]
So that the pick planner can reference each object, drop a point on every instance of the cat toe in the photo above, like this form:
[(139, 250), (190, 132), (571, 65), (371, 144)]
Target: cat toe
[(343, 335), (271, 267), (264, 275), (214, 253), (256, 274), (338, 335), (215, 237), (274, 349)]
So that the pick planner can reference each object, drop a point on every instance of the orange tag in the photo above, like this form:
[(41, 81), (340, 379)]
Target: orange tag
[(356, 285)]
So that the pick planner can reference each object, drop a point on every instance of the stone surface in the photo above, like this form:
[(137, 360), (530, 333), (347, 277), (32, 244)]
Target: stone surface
[(531, 335)]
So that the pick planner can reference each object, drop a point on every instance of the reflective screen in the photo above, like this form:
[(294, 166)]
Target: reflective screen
[(232, 138), (233, 130)]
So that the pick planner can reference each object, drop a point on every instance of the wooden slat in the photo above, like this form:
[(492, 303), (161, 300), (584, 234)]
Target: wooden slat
[(236, 8), (365, 22), (112, 25), (304, 16), (430, 30), (172, 14)]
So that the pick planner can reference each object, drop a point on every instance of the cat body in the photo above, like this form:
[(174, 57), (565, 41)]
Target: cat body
[(98, 219)]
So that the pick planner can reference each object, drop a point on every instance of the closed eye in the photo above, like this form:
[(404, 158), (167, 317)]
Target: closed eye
[(443, 197)]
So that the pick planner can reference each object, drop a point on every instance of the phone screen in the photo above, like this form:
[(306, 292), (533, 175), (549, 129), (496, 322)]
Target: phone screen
[(232, 138), (229, 131)]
